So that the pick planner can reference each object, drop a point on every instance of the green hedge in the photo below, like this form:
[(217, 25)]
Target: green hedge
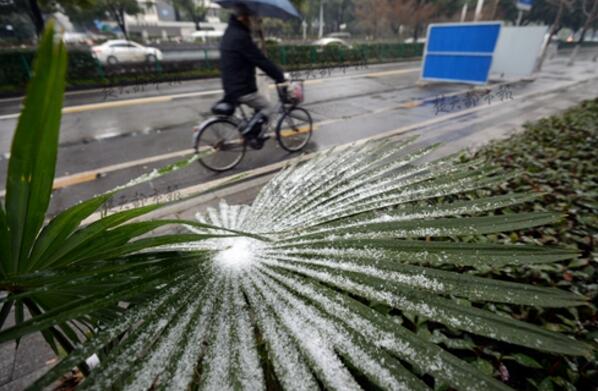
[(301, 55), (84, 71), (571, 45), (16, 66)]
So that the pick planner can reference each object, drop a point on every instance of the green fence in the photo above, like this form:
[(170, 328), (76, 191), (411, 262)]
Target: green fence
[(85, 71)]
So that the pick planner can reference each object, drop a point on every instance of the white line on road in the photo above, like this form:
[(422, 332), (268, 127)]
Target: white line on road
[(90, 175)]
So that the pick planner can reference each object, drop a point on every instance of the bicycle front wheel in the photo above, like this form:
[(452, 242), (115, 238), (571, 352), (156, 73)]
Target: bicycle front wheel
[(294, 129), (223, 139)]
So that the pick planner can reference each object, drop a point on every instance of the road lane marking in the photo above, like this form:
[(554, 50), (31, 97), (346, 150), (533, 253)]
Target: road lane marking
[(293, 132), (71, 180), (91, 175), (114, 104), (169, 98), (394, 72)]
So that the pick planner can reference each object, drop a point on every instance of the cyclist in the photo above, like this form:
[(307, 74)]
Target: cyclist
[(239, 56)]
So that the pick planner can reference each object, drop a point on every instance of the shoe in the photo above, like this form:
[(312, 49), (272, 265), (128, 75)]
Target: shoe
[(255, 143)]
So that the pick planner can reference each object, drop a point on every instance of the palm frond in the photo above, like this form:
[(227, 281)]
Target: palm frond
[(36, 261), (329, 236)]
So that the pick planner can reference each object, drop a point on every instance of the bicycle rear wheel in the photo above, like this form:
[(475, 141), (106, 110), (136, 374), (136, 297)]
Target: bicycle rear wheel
[(294, 129), (222, 137)]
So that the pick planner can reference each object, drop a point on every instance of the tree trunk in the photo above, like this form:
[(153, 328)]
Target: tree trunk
[(494, 9), (321, 23), (120, 20), (589, 20), (416, 32), (553, 29), (36, 17)]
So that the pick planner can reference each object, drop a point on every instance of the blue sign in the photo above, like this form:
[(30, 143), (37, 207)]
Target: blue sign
[(460, 52), (525, 5)]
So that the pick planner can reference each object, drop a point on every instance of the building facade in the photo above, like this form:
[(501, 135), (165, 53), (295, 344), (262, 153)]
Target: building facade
[(162, 20)]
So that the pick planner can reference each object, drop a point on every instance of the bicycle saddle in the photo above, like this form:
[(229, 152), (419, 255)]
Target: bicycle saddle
[(223, 108)]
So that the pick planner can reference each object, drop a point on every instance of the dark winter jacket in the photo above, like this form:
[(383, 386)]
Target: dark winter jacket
[(238, 58)]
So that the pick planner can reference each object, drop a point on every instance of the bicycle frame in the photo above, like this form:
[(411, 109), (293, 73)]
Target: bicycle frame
[(280, 108), (245, 119)]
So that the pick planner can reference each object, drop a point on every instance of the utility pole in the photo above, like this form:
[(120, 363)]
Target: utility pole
[(478, 10)]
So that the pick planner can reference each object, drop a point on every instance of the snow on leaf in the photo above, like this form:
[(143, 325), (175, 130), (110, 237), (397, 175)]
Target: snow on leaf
[(345, 228)]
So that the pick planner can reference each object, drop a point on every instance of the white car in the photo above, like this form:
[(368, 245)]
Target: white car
[(331, 41), (207, 35), (119, 50), (419, 40)]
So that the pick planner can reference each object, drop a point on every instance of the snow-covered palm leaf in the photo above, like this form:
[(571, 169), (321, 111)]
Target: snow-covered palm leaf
[(344, 229)]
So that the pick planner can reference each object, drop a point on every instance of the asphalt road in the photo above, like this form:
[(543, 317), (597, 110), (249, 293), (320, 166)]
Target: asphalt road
[(107, 140)]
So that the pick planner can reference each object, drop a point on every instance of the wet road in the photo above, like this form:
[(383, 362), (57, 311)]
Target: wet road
[(107, 140)]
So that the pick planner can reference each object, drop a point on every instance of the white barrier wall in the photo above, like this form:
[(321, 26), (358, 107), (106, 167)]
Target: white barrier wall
[(517, 50)]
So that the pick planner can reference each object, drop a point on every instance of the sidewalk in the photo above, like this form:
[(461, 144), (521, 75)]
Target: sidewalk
[(557, 88)]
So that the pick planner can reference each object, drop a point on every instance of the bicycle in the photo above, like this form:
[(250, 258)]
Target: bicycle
[(228, 134)]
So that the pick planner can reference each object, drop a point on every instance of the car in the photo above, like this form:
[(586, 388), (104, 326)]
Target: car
[(419, 40), (331, 42), (207, 35), (273, 40), (340, 34), (120, 51), (75, 38)]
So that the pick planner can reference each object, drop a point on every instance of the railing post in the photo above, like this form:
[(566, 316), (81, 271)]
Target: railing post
[(282, 51), (26, 66), (100, 69), (206, 59)]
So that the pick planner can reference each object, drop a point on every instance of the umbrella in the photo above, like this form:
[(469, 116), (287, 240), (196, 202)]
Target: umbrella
[(281, 9)]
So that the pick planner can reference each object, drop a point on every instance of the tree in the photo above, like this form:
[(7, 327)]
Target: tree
[(555, 26), (423, 11), (191, 8), (373, 15), (35, 9), (35, 13), (590, 11), (21, 29), (555, 14), (401, 12), (117, 10)]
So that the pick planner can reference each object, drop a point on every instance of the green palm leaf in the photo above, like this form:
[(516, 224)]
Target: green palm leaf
[(327, 236), (32, 257), (33, 152)]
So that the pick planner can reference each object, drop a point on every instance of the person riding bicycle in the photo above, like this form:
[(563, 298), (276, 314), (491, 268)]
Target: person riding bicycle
[(239, 56)]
